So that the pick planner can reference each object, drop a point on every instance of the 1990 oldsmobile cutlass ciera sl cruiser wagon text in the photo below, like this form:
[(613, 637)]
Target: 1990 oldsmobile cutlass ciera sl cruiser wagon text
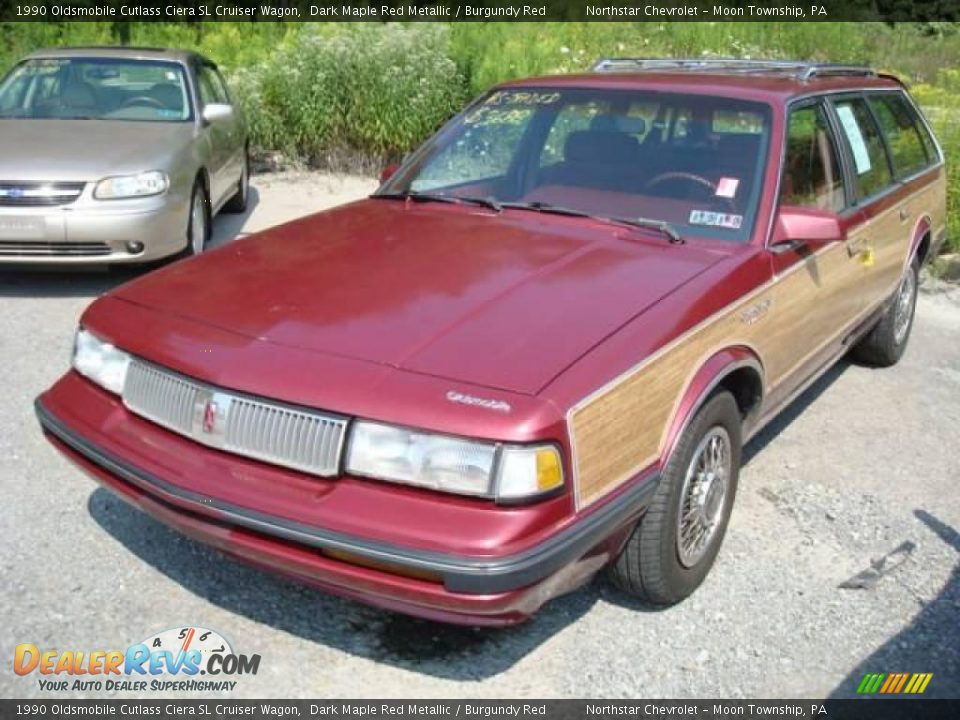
[(535, 352)]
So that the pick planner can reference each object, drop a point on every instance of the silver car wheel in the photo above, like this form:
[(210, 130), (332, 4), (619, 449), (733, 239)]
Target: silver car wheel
[(198, 223), (904, 310), (703, 494)]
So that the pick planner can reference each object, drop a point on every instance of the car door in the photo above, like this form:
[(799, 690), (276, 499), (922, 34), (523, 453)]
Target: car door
[(897, 212), (217, 134), (235, 128), (878, 239), (816, 283)]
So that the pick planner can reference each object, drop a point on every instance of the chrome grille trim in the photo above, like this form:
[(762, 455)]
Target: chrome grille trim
[(263, 430), (31, 194), (11, 248)]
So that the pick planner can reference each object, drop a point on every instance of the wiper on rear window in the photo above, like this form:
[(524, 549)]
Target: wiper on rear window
[(664, 227), (417, 196)]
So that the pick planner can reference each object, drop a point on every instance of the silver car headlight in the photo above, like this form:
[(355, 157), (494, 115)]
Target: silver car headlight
[(450, 464), (129, 186), (100, 361)]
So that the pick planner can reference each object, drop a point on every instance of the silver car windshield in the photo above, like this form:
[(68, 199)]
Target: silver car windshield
[(684, 163), (96, 89)]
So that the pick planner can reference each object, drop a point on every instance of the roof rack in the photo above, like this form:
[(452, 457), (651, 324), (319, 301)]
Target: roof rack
[(797, 68)]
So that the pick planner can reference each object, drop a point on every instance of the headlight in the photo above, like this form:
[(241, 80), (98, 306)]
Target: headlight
[(100, 361), (128, 186), (452, 464)]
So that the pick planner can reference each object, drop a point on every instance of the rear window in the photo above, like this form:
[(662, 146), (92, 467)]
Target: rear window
[(901, 127)]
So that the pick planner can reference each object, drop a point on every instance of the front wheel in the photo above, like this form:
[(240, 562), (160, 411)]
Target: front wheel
[(198, 225), (677, 540), (885, 344)]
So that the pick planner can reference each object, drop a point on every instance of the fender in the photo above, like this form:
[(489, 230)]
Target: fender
[(704, 381), (922, 227)]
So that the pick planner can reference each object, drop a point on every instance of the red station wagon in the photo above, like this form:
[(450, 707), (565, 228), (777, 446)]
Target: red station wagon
[(535, 352)]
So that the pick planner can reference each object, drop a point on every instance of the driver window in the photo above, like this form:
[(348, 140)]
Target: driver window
[(812, 174), (210, 91)]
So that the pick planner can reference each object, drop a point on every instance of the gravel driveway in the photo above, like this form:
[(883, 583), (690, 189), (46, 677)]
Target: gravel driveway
[(855, 485)]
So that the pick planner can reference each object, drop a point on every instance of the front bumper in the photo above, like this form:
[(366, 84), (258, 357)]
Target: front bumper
[(427, 582), (92, 232)]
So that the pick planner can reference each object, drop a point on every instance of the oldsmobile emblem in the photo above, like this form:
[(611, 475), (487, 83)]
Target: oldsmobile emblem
[(209, 416), (487, 403), (753, 313)]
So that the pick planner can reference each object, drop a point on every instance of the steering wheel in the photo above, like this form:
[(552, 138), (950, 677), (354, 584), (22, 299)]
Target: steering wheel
[(144, 100), (685, 176), (689, 177)]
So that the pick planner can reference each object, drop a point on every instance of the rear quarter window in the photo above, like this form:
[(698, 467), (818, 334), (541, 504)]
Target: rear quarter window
[(901, 128)]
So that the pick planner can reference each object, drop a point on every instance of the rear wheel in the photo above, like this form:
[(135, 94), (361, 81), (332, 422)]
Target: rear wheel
[(677, 540), (885, 344)]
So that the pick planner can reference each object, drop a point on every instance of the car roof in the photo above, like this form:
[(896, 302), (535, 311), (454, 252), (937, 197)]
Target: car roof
[(771, 87), (124, 53)]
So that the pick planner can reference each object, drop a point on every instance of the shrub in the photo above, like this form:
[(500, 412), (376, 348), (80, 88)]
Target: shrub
[(359, 94), (939, 105)]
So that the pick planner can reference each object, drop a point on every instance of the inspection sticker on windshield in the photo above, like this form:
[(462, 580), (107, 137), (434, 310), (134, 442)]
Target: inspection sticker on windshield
[(715, 219), (727, 187)]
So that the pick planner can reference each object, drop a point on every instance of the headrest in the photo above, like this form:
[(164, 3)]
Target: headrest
[(78, 95), (629, 124), (595, 146), (168, 94)]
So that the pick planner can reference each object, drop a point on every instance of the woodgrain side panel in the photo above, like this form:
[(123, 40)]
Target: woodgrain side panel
[(621, 429)]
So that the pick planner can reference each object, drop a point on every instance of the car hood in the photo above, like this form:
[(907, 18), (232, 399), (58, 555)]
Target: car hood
[(504, 301), (85, 150)]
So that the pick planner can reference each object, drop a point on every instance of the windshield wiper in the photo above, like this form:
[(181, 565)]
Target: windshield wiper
[(659, 225), (416, 196)]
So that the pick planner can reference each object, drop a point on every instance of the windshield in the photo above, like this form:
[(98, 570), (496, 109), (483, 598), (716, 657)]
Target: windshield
[(692, 161), (95, 89)]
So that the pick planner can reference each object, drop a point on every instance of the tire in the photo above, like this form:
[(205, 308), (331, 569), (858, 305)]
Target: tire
[(654, 566), (884, 345), (198, 222), (238, 203)]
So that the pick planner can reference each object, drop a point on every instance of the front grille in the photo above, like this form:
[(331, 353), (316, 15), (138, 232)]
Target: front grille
[(10, 248), (39, 194), (167, 399), (273, 432), (287, 437)]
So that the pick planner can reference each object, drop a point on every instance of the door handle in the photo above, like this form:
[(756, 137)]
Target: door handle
[(904, 214)]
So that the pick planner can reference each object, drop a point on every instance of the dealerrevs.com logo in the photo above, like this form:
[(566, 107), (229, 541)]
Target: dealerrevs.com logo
[(176, 660)]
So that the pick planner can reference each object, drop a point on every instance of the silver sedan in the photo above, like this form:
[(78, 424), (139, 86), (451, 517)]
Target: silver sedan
[(116, 155)]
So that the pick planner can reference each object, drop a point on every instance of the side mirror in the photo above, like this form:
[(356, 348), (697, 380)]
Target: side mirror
[(799, 226), (388, 172), (217, 112)]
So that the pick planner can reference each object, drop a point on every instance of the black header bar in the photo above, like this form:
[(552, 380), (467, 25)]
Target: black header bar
[(478, 10)]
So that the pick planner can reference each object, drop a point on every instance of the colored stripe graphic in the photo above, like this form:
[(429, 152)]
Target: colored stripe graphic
[(894, 683), (903, 681)]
